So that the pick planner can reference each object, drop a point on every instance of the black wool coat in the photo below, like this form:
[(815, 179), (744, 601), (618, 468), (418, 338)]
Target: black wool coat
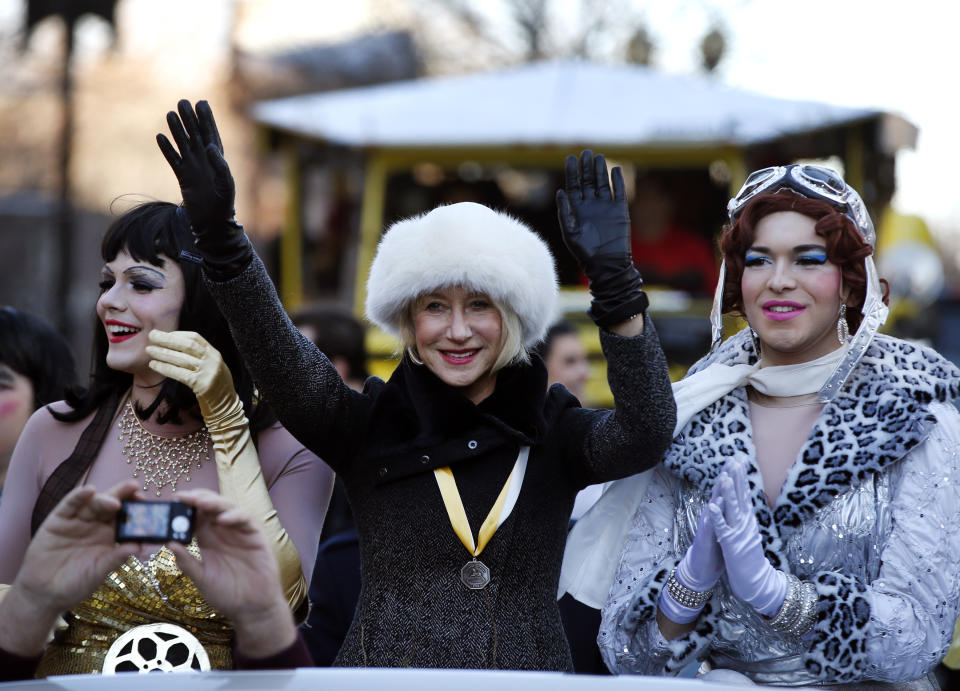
[(385, 442)]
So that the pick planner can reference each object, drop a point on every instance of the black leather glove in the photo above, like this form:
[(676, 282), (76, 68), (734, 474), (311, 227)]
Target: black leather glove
[(208, 189), (595, 225)]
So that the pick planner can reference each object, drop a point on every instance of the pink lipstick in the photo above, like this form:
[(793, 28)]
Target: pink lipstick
[(781, 310), (460, 357)]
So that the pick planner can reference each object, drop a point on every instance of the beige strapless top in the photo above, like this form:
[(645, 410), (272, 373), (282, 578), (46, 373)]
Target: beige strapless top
[(135, 594)]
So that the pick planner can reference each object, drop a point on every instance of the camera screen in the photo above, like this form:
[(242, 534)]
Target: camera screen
[(154, 521)]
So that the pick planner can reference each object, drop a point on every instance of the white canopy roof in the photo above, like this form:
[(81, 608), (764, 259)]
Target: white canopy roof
[(550, 103)]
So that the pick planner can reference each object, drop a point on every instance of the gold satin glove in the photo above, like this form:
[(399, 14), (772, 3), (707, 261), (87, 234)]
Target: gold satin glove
[(187, 357)]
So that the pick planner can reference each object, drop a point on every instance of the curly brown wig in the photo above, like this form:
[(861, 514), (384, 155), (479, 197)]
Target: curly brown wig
[(845, 247)]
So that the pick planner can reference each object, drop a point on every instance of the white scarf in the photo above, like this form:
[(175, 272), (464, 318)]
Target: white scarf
[(592, 555)]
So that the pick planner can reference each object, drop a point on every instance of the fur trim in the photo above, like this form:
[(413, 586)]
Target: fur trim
[(469, 245), (838, 649), (691, 645), (878, 417)]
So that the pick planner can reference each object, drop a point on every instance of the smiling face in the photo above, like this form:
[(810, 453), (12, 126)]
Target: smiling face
[(458, 334), (137, 297), (791, 292)]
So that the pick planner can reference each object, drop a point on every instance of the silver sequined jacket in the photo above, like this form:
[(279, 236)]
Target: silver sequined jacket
[(870, 512)]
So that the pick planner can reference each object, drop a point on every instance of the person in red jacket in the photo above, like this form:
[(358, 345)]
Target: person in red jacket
[(665, 251)]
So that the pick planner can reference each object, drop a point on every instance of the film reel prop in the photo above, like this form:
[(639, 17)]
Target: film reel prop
[(156, 648)]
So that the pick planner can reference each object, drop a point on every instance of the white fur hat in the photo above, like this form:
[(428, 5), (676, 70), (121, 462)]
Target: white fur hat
[(469, 245)]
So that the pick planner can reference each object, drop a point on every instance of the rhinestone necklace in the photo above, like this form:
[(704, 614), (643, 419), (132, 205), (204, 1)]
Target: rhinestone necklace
[(161, 460)]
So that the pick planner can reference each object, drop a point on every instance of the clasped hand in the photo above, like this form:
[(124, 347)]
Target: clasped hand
[(749, 573)]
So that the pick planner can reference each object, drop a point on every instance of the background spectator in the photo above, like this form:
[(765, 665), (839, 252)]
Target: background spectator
[(36, 366)]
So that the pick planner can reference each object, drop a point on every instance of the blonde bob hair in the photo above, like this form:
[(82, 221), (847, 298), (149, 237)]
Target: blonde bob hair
[(512, 349)]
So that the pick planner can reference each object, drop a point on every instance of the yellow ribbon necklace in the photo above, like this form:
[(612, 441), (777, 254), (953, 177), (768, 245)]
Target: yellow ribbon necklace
[(475, 574)]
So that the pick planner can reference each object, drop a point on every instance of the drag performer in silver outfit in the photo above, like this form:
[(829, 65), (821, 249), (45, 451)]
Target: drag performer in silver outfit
[(843, 570)]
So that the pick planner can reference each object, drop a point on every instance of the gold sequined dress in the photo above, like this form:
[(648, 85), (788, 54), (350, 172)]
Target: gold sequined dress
[(137, 593)]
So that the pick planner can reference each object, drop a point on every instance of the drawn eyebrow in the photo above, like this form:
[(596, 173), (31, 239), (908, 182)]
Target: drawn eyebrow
[(799, 249), (135, 269)]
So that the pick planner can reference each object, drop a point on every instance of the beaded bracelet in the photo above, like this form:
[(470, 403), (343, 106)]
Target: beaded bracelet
[(687, 596), (808, 612), (798, 614), (790, 610)]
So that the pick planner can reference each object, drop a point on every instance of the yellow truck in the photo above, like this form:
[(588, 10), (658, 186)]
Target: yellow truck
[(355, 160)]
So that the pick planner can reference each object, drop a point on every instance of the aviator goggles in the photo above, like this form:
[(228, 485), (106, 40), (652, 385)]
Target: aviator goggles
[(816, 182), (809, 180)]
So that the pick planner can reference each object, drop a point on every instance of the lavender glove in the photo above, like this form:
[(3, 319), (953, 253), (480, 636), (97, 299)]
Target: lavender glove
[(749, 573), (699, 570), (702, 565)]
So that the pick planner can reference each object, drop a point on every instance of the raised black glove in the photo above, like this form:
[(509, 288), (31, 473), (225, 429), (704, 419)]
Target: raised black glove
[(595, 225), (208, 189)]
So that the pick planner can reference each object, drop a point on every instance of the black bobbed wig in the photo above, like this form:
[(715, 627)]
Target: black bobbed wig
[(34, 349), (157, 232)]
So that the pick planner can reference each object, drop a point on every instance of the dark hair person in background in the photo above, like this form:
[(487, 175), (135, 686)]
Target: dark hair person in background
[(36, 367), (340, 336), (565, 357), (166, 376), (335, 586)]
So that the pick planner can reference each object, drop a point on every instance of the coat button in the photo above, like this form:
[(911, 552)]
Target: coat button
[(382, 472), (472, 444), (424, 459)]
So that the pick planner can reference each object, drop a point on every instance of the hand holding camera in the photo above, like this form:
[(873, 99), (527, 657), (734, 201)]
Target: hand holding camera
[(238, 574), (76, 547)]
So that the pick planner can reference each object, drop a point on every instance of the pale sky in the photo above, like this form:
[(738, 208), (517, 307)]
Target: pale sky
[(894, 56)]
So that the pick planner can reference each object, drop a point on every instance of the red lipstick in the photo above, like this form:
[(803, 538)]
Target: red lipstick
[(119, 337)]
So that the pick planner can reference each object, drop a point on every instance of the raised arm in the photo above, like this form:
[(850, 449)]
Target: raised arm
[(595, 225), (301, 385)]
